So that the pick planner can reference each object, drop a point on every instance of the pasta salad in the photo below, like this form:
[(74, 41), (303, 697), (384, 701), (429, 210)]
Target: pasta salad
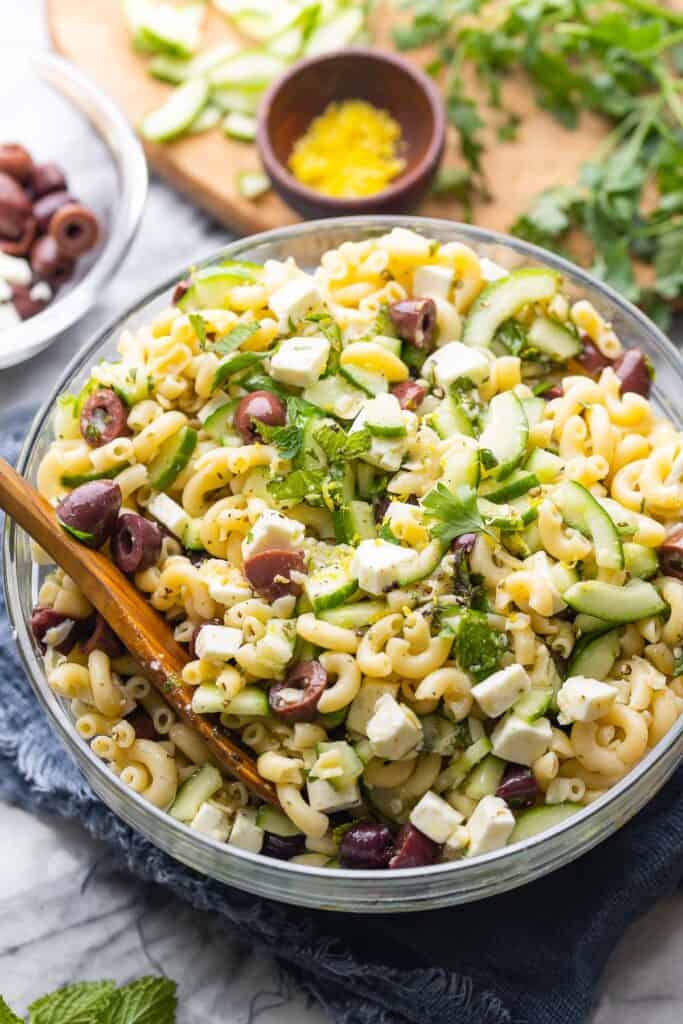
[(417, 522)]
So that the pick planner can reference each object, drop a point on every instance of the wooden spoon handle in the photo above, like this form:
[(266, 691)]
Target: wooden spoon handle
[(145, 634)]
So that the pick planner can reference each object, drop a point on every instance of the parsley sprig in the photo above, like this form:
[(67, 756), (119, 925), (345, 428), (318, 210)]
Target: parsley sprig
[(454, 512)]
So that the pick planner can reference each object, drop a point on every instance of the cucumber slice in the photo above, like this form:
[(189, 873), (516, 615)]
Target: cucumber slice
[(329, 587), (393, 345), (271, 819), (253, 184), (441, 736), (485, 778), (501, 299), (630, 603), (130, 385), (540, 819), (352, 766), (554, 340), (424, 563), (165, 28), (338, 31), (449, 418), (544, 465), (518, 483), (251, 701), (511, 516), (368, 381), (76, 479), (583, 512), (207, 119), (335, 395), (460, 768), (640, 561), (369, 480), (192, 537), (219, 422), (195, 791), (585, 624), (534, 704), (359, 522), (172, 458), (384, 418), (461, 464), (174, 70), (177, 114), (506, 433), (211, 286), (240, 126), (234, 363), (208, 699), (355, 616), (253, 70), (236, 101), (594, 656), (624, 519), (534, 409)]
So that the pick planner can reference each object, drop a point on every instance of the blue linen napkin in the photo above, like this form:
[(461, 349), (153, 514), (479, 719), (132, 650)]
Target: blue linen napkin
[(533, 956)]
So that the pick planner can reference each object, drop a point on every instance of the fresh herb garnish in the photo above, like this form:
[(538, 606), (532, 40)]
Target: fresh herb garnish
[(235, 337), (199, 325), (478, 647), (287, 440), (455, 512), (233, 364), (339, 446), (301, 485), (145, 1001), (386, 533)]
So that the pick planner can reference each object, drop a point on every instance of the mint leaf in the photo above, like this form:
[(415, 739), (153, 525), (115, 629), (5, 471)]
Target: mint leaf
[(199, 325), (234, 363), (287, 440), (145, 1001), (455, 512), (301, 485), (339, 446), (478, 648), (6, 1015), (236, 337), (82, 1003)]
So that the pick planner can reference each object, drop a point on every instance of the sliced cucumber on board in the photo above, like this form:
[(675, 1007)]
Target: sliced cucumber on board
[(178, 113)]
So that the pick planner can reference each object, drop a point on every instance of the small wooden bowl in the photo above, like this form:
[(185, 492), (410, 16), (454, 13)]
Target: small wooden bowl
[(386, 81)]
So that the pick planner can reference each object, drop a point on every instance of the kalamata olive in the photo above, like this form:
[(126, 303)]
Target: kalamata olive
[(283, 847), (632, 370), (47, 178), (90, 511), (103, 418), (135, 543), (16, 161), (670, 554), (20, 246), (270, 572), (48, 263), (464, 544), (25, 304), (45, 208), (295, 698), (518, 787), (15, 208), (75, 229), (259, 405), (415, 321), (410, 394), (414, 849), (591, 358), (143, 725), (366, 845), (43, 620), (180, 290), (379, 509), (102, 638)]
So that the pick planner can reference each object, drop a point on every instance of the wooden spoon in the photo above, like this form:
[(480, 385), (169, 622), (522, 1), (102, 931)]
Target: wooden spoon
[(145, 634)]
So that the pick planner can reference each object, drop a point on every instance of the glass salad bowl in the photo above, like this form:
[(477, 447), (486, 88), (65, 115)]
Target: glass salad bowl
[(59, 115), (357, 891)]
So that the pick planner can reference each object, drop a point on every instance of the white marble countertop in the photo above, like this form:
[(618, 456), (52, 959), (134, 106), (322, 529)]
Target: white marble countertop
[(68, 912)]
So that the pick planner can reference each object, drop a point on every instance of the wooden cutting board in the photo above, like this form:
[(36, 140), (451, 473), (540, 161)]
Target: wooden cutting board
[(205, 167)]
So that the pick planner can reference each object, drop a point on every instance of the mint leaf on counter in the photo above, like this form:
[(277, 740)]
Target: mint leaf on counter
[(145, 1001), (81, 1003), (6, 1015)]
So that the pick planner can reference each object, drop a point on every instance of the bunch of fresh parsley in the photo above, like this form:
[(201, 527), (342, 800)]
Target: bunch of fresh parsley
[(145, 1001), (621, 59)]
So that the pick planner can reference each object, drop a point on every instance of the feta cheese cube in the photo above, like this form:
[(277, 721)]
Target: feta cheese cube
[(542, 566), (363, 704), (394, 730), (490, 826), (377, 564), (294, 300), (229, 591), (456, 844), (218, 643), (212, 821), (272, 530), (433, 282), (300, 361), (14, 269), (5, 291), (169, 513), (245, 833), (433, 816), (41, 292), (456, 360), (322, 796), (581, 699), (448, 321), (500, 691), (8, 316), (522, 742), (491, 271), (385, 452)]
